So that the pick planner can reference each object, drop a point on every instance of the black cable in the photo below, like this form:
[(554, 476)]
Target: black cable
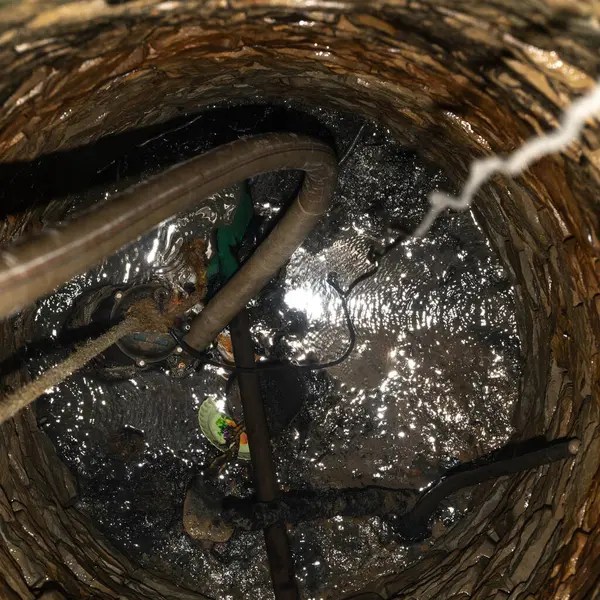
[(204, 359), (376, 257), (352, 145)]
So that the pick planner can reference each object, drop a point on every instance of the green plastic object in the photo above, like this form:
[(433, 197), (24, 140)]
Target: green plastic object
[(217, 428), (229, 237), (214, 424)]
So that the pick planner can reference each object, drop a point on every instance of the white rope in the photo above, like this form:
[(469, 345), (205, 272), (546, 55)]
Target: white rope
[(482, 169), (10, 405)]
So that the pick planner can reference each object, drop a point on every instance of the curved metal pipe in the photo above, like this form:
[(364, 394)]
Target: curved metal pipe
[(36, 266)]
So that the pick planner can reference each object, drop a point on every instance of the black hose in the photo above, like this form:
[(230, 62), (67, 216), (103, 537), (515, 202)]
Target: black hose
[(414, 525)]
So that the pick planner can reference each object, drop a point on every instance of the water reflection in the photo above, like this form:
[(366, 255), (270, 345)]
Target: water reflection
[(432, 379)]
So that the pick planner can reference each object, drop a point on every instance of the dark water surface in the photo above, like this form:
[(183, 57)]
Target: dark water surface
[(432, 380)]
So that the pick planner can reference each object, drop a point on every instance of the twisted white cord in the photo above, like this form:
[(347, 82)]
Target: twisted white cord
[(482, 169)]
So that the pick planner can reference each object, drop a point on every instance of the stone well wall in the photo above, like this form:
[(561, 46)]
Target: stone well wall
[(457, 79)]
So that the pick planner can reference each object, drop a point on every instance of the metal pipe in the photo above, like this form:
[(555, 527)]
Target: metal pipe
[(414, 512), (37, 265), (301, 506), (281, 563), (298, 221)]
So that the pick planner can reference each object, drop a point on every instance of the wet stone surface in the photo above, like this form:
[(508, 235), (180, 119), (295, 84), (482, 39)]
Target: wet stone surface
[(432, 380)]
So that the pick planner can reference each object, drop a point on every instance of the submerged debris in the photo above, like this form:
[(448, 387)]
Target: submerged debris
[(127, 444)]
